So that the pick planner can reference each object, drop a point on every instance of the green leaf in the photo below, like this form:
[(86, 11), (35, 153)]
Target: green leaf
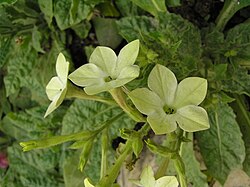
[(47, 9), (192, 166), (106, 32), (82, 29), (152, 6), (173, 3), (190, 91), (237, 80), (5, 44), (163, 82), (174, 41), (7, 1), (84, 156), (243, 118), (36, 40), (43, 168), (238, 39), (69, 13), (88, 115), (221, 152)]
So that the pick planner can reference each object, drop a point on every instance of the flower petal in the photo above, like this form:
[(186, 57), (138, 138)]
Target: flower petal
[(62, 68), (126, 75), (105, 58), (97, 88), (163, 82), (147, 177), (56, 102), (87, 183), (54, 87), (145, 100), (192, 118), (161, 123), (87, 75), (127, 55), (169, 181), (190, 91)]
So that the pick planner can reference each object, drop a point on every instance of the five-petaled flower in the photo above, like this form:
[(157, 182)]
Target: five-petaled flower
[(168, 104), (57, 87), (106, 71)]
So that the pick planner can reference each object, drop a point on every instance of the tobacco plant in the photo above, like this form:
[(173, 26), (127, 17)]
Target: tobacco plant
[(143, 77)]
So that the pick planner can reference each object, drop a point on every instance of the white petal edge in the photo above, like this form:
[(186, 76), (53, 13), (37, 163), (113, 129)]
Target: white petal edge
[(62, 68), (169, 181), (192, 118), (162, 81)]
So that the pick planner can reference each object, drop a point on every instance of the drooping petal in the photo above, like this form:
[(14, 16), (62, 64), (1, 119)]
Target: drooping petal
[(127, 55), (54, 87), (87, 183), (105, 58), (52, 106), (147, 177), (169, 181), (161, 123), (190, 91), (145, 100), (163, 82), (62, 68), (87, 75), (192, 118)]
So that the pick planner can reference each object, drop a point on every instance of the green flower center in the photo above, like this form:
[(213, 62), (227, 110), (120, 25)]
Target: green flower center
[(169, 110), (107, 79)]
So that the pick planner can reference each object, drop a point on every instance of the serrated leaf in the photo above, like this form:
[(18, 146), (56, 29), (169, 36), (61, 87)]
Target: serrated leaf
[(176, 41), (221, 146), (192, 166), (151, 6)]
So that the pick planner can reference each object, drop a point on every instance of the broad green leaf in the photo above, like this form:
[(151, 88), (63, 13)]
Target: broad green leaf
[(190, 91), (105, 58), (238, 39), (237, 80), (225, 149), (69, 13), (151, 6), (173, 3), (192, 118), (82, 29), (162, 81), (126, 8), (43, 168), (88, 115), (175, 42), (161, 123), (106, 32), (192, 166), (47, 9), (243, 118), (145, 100), (128, 55)]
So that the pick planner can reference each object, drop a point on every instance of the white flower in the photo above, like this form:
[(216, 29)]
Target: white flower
[(57, 86), (107, 71)]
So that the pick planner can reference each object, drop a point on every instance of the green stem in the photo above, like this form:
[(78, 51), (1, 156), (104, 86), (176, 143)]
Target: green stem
[(119, 96), (180, 169), (226, 14), (75, 92), (104, 162)]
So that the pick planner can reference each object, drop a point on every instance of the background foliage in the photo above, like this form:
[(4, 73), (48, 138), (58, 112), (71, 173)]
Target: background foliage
[(182, 36)]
